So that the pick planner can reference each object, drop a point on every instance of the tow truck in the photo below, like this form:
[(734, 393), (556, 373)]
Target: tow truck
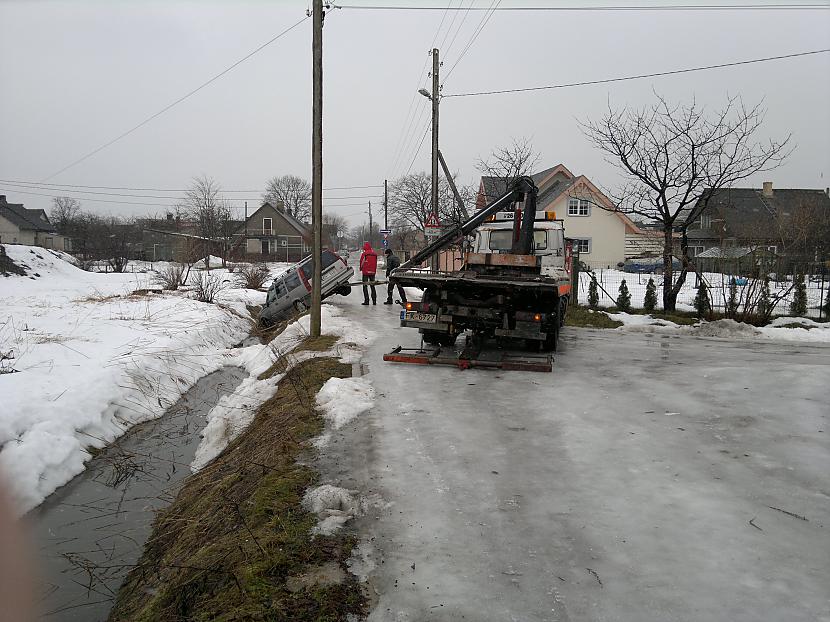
[(513, 287)]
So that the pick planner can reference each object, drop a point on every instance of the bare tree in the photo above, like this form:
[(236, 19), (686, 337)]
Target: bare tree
[(293, 192), (410, 201), (338, 223), (64, 213), (205, 205), (673, 157), (506, 164)]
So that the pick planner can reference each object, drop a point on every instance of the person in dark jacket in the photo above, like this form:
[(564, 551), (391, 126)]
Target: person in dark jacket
[(368, 268), (392, 262)]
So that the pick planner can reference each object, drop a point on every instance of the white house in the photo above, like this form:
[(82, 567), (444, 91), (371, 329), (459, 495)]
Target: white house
[(600, 233)]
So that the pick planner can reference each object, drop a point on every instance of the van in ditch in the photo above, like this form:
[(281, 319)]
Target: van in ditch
[(291, 291)]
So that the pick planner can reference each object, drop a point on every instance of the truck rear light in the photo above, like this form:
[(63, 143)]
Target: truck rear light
[(529, 316), (409, 306)]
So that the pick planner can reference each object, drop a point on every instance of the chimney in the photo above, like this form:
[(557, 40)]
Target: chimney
[(2, 198), (767, 191)]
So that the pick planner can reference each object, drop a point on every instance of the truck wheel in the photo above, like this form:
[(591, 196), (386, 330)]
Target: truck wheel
[(552, 340), (563, 309), (300, 306), (345, 290)]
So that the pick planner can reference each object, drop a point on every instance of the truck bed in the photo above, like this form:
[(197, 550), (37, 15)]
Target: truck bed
[(468, 278)]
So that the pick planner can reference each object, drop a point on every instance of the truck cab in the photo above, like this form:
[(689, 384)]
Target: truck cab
[(549, 243)]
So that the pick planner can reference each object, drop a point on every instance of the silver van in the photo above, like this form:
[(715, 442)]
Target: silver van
[(291, 291)]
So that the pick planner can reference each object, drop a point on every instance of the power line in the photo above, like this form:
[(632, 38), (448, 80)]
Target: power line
[(178, 101), (637, 77), (420, 144), (260, 191), (410, 123), (663, 7), (144, 203), (486, 18)]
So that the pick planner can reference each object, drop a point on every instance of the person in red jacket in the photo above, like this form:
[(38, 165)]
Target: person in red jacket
[(368, 268)]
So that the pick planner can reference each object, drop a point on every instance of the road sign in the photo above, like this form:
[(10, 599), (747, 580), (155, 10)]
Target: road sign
[(386, 232), (432, 221), (385, 242), (432, 232)]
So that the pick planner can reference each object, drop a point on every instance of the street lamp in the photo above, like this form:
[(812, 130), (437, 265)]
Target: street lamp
[(425, 93)]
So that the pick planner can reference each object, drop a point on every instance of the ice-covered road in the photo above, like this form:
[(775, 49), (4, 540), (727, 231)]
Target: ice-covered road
[(649, 477)]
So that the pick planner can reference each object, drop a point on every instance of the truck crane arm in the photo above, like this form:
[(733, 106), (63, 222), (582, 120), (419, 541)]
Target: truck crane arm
[(521, 187)]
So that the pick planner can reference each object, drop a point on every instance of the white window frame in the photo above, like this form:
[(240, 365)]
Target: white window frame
[(269, 230), (578, 242), (705, 221), (694, 251), (579, 207)]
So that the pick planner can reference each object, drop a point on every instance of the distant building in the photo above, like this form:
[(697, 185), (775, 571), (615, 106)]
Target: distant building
[(19, 225), (790, 221)]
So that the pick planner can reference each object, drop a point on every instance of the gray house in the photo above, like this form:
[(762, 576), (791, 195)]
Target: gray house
[(271, 234), (19, 225)]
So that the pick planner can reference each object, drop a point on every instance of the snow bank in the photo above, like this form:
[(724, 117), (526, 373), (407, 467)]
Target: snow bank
[(93, 359), (342, 399), (234, 412), (814, 332)]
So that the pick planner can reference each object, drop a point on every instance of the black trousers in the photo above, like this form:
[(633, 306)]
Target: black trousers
[(401, 293), (369, 278)]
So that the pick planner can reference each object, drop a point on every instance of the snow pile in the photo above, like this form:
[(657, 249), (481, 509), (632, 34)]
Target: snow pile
[(641, 323), (333, 506), (729, 329), (342, 399), (93, 359), (235, 412)]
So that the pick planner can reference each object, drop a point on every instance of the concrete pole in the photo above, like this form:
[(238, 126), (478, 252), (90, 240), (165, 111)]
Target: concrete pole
[(317, 162), (435, 99)]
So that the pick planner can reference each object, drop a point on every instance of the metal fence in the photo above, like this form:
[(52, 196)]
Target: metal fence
[(781, 285)]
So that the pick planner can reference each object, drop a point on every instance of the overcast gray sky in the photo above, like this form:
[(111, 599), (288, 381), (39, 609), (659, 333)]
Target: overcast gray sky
[(74, 75)]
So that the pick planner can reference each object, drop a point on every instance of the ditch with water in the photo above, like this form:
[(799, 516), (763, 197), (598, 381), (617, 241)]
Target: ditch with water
[(91, 532)]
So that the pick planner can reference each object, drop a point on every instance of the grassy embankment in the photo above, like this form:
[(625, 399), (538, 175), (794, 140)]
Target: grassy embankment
[(236, 543)]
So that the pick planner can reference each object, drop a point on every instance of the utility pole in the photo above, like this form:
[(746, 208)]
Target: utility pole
[(435, 98), (370, 222), (317, 162), (385, 205)]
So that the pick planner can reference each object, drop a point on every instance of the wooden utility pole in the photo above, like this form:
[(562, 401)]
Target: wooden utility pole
[(435, 98), (385, 205), (317, 162), (370, 222)]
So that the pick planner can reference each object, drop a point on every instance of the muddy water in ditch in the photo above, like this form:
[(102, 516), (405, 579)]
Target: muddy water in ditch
[(91, 531)]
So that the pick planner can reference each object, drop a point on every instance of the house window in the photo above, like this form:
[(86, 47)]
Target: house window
[(773, 249), (694, 251), (267, 226), (266, 250), (705, 221), (582, 245), (579, 207)]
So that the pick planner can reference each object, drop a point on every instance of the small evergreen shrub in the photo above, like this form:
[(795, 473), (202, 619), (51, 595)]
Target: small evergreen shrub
[(702, 305), (593, 294), (624, 298), (799, 303), (650, 301)]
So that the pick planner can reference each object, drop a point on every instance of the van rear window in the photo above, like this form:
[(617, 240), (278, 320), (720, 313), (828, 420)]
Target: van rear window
[(292, 281)]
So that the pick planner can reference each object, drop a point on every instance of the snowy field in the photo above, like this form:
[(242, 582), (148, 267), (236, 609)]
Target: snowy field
[(93, 358), (718, 284)]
